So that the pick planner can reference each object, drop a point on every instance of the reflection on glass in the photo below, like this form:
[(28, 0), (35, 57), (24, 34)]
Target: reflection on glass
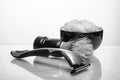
[(57, 69)]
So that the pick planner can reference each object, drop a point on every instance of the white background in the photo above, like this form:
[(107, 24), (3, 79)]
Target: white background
[(21, 21)]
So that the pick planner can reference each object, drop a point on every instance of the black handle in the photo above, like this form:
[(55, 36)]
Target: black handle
[(41, 42), (27, 53)]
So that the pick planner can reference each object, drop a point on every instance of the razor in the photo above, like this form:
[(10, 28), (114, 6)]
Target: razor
[(77, 62)]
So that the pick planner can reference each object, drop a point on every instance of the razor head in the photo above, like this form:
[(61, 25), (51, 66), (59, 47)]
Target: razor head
[(79, 68)]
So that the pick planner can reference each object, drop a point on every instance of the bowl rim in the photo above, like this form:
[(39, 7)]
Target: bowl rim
[(100, 30)]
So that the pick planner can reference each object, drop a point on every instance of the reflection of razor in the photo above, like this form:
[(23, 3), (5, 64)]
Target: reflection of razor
[(77, 62)]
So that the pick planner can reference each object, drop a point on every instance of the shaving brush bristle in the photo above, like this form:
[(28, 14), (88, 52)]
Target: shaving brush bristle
[(82, 46)]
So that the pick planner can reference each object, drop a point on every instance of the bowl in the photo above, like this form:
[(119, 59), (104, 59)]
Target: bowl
[(95, 37)]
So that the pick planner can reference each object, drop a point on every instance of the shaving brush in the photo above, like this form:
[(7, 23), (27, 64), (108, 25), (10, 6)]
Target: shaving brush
[(82, 46)]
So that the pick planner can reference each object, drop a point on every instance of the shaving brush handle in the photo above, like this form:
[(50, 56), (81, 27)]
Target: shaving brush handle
[(45, 42)]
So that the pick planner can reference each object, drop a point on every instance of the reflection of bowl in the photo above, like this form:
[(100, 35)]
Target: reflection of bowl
[(95, 37)]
